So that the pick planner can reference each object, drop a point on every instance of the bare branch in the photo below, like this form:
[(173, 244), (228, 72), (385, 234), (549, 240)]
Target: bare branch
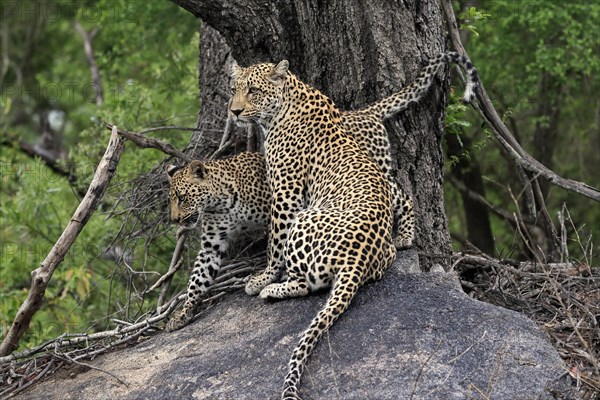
[(51, 162), (503, 134), (482, 200), (176, 262), (227, 139), (89, 53), (168, 127), (145, 142), (41, 276)]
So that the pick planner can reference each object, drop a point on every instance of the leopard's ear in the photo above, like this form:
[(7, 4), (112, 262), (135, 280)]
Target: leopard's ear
[(170, 170), (236, 70), (279, 71), (196, 169)]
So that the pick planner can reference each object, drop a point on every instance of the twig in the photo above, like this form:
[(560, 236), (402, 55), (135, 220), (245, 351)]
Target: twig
[(41, 276), (226, 141), (412, 394), (482, 200), (38, 376), (176, 262), (166, 128), (70, 360)]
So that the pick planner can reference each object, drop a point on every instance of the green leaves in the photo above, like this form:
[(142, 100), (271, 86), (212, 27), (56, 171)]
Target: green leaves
[(147, 54), (471, 18), (540, 64)]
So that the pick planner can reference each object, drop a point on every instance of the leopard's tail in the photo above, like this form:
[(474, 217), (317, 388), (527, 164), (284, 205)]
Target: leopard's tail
[(345, 287), (414, 92)]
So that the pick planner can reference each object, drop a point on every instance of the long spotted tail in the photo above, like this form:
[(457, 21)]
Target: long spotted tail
[(342, 294), (414, 92)]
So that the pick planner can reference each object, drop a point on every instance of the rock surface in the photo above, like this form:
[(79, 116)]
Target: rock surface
[(409, 336)]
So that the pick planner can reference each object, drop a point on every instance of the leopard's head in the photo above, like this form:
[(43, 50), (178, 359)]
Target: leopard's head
[(190, 192), (257, 92)]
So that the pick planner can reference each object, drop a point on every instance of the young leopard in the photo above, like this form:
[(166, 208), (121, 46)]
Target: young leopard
[(220, 196), (366, 128), (331, 213)]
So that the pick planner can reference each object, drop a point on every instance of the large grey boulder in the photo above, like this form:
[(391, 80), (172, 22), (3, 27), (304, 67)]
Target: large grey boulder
[(409, 336)]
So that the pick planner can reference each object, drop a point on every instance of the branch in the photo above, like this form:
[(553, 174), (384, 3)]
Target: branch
[(145, 142), (482, 200), (41, 276), (176, 262), (503, 134), (168, 127), (89, 53), (33, 152), (226, 140)]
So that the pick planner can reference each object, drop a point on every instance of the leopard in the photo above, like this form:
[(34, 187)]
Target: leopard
[(219, 195), (186, 207), (366, 126), (331, 206), (331, 211)]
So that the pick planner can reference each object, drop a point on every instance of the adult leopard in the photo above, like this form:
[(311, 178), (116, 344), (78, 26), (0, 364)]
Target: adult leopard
[(331, 213)]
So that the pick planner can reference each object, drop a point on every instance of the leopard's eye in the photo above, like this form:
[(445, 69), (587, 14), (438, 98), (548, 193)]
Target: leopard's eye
[(232, 89), (181, 197), (253, 90)]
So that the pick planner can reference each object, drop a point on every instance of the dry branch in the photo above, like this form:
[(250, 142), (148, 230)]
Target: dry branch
[(41, 276), (145, 142), (19, 370), (89, 53), (176, 261), (562, 298), (503, 134), (31, 151)]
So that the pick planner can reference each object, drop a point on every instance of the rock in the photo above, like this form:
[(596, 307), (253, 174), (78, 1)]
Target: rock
[(409, 336)]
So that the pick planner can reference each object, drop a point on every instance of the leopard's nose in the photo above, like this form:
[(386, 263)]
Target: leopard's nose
[(236, 112)]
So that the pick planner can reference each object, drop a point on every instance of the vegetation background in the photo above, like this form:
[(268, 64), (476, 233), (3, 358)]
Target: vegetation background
[(538, 59)]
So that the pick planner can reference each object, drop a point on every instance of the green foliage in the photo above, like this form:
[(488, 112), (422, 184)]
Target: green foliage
[(146, 53), (534, 57), (471, 17)]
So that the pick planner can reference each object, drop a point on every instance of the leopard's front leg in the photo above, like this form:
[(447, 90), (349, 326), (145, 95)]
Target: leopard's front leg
[(285, 206), (215, 240)]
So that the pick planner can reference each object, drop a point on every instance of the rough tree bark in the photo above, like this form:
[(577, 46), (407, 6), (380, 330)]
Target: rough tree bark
[(354, 51)]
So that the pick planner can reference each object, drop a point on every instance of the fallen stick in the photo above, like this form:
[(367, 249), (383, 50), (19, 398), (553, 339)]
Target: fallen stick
[(41, 275)]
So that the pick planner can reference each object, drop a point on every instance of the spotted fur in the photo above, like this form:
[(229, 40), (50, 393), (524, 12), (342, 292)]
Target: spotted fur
[(247, 172), (219, 195), (331, 214)]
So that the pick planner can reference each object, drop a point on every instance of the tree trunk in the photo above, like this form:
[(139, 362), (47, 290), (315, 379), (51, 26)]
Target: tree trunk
[(467, 171), (546, 132), (354, 51)]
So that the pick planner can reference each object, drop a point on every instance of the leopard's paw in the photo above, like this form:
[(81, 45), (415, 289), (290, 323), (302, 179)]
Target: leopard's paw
[(180, 319)]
